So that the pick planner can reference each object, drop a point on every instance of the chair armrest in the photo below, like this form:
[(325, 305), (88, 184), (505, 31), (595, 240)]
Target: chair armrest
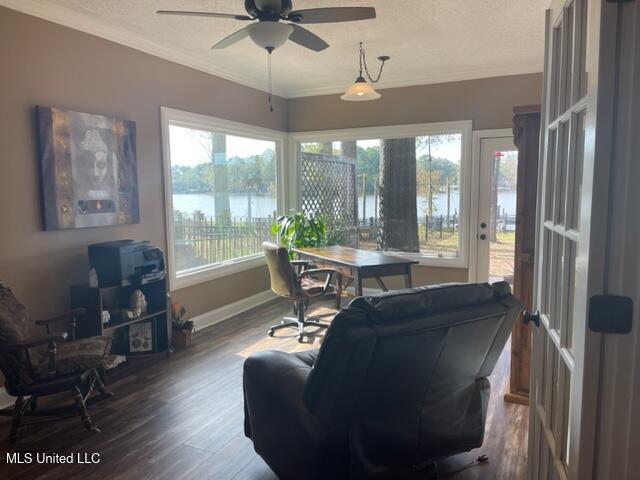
[(70, 315), (276, 373), (76, 312), (300, 265), (52, 349), (330, 272), (275, 413), (320, 271), (300, 262), (8, 347)]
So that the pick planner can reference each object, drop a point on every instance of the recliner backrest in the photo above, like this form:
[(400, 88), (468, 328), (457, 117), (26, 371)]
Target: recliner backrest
[(407, 369)]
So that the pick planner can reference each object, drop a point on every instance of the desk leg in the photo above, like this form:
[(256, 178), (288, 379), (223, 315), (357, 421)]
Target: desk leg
[(408, 283), (358, 281)]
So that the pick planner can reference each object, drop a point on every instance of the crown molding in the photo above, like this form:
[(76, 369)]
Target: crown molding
[(473, 74), (87, 24)]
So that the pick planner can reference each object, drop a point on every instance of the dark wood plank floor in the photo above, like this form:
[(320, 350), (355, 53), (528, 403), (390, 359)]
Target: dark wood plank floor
[(182, 418)]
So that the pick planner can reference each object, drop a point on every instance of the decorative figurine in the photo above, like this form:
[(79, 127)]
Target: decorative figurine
[(93, 278), (138, 303), (106, 316)]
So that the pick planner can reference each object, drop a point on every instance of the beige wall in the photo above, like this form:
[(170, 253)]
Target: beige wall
[(487, 102), (47, 64)]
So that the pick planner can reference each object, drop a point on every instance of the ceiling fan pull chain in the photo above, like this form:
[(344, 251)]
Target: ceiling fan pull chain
[(269, 81)]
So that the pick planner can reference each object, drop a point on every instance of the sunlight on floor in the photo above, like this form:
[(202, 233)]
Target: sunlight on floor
[(286, 339)]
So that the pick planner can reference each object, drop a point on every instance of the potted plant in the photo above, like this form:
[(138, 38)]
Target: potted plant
[(182, 327), (298, 229)]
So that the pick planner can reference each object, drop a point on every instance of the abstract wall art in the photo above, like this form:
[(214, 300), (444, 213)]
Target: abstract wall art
[(88, 169)]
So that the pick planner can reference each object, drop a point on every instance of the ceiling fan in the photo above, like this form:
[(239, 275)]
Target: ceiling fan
[(270, 31)]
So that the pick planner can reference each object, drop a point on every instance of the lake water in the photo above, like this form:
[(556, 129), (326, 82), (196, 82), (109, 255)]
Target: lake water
[(263, 206)]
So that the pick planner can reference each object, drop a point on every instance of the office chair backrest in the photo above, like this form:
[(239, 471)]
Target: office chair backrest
[(406, 370), (283, 276)]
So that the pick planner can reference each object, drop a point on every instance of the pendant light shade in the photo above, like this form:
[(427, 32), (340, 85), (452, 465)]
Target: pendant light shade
[(360, 91), (270, 35)]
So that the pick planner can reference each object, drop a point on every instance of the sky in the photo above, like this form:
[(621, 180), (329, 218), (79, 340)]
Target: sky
[(190, 147)]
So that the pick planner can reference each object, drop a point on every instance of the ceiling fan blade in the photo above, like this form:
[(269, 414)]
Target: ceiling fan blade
[(203, 14), (332, 14), (304, 37), (233, 38)]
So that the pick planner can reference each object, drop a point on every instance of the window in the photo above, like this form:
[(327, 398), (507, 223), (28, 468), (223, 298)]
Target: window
[(396, 189), (222, 194)]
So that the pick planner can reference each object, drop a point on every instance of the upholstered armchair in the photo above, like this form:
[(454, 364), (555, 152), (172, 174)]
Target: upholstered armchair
[(43, 357), (296, 281), (399, 382)]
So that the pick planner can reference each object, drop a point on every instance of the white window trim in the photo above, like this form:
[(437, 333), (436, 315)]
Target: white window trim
[(467, 172), (170, 116)]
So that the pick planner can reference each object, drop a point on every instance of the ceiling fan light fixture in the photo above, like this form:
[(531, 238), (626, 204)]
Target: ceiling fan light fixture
[(360, 91), (270, 35)]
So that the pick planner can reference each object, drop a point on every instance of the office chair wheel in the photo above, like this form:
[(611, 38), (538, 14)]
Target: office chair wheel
[(301, 338), (270, 332)]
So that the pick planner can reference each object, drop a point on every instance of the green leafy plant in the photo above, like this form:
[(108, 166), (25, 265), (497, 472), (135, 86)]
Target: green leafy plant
[(298, 230), (179, 318)]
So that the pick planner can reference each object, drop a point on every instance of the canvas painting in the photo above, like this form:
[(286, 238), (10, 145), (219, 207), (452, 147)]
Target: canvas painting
[(89, 174)]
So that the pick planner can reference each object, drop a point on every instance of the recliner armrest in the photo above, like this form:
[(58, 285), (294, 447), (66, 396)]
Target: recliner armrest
[(276, 376), (284, 432)]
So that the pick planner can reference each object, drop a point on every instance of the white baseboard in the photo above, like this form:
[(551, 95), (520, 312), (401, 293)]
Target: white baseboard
[(219, 314), (6, 400)]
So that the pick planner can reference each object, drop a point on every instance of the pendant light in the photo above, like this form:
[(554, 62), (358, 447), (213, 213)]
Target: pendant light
[(362, 91)]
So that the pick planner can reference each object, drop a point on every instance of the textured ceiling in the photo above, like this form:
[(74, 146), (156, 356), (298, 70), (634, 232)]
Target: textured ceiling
[(429, 41)]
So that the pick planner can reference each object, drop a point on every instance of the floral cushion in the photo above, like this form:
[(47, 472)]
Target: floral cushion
[(77, 356)]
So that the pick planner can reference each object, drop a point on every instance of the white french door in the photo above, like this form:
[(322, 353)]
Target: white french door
[(572, 203), (495, 229)]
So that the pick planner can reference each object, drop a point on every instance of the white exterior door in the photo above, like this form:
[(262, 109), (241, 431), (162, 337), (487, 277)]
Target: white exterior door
[(495, 205), (572, 211)]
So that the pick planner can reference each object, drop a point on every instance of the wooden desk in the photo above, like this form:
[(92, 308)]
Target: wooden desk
[(359, 264)]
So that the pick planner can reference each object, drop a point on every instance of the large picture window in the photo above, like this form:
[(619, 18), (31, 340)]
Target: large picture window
[(406, 191), (222, 185)]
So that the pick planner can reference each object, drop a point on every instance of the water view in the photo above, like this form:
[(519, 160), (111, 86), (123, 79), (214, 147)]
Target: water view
[(263, 206)]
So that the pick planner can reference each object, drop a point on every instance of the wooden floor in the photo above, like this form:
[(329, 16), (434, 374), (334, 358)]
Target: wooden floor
[(182, 418)]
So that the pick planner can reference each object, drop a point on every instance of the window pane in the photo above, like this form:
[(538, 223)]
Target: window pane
[(502, 221), (224, 196), (438, 176), (406, 192)]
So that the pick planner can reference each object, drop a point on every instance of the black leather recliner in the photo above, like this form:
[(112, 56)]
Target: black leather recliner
[(399, 382)]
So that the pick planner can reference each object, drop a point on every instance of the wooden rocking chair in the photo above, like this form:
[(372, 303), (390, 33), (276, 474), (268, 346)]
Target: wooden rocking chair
[(36, 363)]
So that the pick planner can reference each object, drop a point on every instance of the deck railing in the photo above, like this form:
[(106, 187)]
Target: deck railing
[(201, 240)]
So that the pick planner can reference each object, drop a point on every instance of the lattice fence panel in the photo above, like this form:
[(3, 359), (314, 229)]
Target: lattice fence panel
[(328, 188)]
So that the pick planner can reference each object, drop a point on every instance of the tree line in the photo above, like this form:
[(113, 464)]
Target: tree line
[(255, 174)]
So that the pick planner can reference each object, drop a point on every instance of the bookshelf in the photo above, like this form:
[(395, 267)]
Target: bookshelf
[(117, 298)]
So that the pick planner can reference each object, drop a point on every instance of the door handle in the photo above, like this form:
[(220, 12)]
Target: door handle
[(531, 317)]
